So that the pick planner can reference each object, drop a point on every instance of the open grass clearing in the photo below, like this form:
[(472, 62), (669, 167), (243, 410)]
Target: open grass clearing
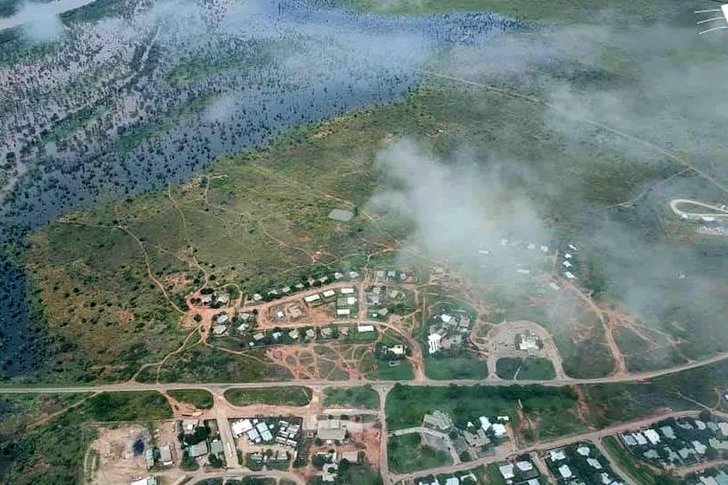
[(406, 453), (199, 398), (357, 397)]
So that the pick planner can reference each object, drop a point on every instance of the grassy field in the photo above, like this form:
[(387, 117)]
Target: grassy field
[(401, 372), (530, 368), (406, 453), (103, 308), (51, 452), (358, 397), (207, 364), (612, 403), (447, 368), (283, 396), (561, 11), (199, 398), (406, 406)]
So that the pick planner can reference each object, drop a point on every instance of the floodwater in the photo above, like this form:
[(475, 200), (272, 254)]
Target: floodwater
[(50, 10), (374, 66)]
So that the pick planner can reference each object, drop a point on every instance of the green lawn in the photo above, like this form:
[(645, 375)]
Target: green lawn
[(284, 396), (446, 368), (199, 398), (530, 368), (406, 405), (406, 453), (358, 397), (401, 372)]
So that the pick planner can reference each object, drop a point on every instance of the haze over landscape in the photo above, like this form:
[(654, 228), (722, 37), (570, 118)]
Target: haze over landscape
[(448, 224)]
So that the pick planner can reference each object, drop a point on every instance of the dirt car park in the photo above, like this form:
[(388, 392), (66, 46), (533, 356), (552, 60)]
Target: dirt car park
[(113, 459)]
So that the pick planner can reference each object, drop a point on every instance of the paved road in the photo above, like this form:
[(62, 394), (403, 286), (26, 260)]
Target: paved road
[(717, 212), (219, 387), (241, 474), (226, 434)]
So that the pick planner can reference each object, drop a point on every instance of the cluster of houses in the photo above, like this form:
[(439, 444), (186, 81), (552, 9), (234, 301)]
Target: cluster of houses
[(253, 338), (380, 298), (568, 262), (581, 464), (521, 470), (332, 459), (310, 282), (159, 456), (390, 275), (447, 331), (346, 301), (199, 440), (257, 459), (709, 477), (459, 479), (258, 432), (475, 438), (679, 442), (243, 322), (212, 299)]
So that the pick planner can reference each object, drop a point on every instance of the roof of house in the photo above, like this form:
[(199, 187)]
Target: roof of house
[(330, 429), (165, 453), (216, 447), (350, 456), (145, 481), (198, 450)]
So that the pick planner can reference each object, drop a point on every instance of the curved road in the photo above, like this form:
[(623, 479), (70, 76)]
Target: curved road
[(719, 213)]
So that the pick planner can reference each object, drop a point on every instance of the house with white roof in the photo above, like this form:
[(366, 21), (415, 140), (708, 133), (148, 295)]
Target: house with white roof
[(594, 463), (506, 471), (499, 430), (433, 342), (557, 455), (652, 436)]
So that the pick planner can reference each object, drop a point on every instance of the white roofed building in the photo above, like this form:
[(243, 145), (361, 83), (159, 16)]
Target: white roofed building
[(433, 341)]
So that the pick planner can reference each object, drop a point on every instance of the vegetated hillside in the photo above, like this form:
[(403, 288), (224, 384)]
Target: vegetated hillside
[(223, 224), (226, 220), (163, 93)]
